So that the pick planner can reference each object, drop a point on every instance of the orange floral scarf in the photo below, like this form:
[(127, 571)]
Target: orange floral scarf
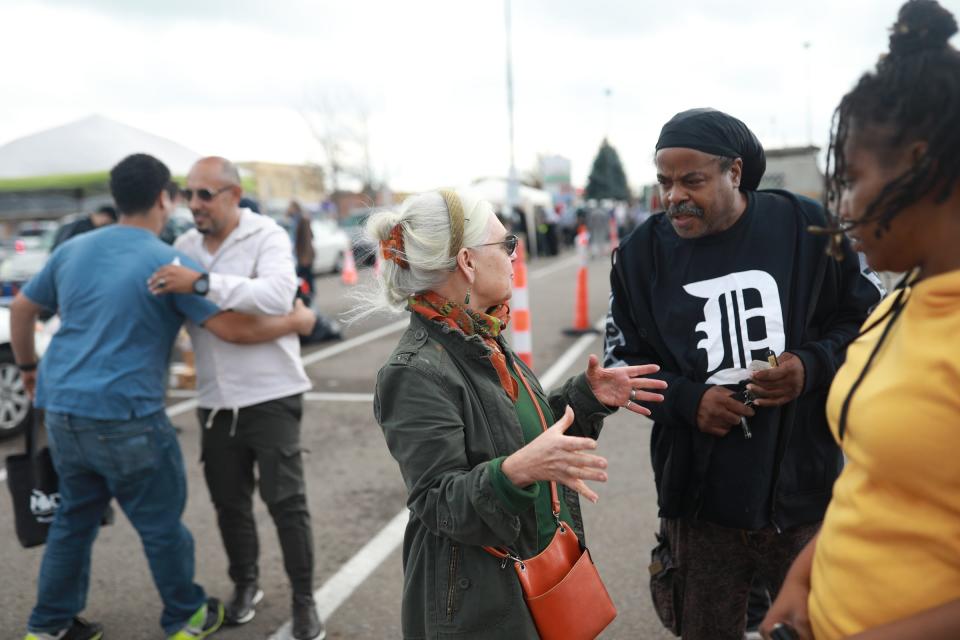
[(433, 306)]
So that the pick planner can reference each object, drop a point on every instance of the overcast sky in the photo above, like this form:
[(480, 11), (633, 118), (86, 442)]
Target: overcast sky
[(233, 77)]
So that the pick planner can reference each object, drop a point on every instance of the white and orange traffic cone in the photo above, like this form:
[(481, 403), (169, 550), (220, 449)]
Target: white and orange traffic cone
[(581, 320), (349, 274), (520, 309)]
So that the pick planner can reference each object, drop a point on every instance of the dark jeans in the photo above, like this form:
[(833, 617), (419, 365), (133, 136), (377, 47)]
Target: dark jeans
[(138, 462), (266, 435), (717, 567)]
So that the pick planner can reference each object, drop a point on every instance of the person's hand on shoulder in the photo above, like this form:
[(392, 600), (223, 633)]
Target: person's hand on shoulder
[(172, 278)]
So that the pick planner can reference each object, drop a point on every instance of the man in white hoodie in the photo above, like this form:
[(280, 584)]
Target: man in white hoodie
[(250, 397)]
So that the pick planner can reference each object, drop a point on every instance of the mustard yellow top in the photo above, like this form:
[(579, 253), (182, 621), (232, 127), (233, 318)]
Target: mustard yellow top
[(890, 543)]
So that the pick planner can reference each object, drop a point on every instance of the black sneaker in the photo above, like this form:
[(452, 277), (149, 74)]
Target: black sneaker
[(241, 607), (79, 629), (306, 621)]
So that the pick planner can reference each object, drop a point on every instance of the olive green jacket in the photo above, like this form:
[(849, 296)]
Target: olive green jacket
[(445, 416)]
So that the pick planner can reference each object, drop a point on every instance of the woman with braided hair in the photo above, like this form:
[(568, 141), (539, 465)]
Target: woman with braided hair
[(467, 420), (886, 563)]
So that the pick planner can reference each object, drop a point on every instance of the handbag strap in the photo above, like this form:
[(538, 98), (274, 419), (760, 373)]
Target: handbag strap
[(31, 432), (554, 498), (503, 553)]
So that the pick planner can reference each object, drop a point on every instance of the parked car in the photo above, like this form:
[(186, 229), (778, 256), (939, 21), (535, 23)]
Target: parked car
[(364, 249), (16, 410), (330, 244), (30, 250)]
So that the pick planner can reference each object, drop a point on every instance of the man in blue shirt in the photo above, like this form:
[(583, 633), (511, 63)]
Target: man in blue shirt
[(102, 384)]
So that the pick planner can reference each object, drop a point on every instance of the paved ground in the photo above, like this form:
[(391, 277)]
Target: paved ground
[(355, 489)]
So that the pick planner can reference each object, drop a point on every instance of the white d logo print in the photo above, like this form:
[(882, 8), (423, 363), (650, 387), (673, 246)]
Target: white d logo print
[(732, 331)]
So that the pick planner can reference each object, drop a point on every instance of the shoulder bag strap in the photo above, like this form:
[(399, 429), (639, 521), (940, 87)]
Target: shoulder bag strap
[(501, 552), (31, 433)]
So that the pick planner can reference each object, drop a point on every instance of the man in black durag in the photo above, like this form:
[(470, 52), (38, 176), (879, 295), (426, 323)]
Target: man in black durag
[(726, 277)]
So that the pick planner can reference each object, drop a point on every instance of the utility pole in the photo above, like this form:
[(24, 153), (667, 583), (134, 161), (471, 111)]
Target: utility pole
[(512, 188), (607, 93)]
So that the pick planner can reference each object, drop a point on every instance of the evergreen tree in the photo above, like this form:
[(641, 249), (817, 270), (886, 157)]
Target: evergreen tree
[(607, 179)]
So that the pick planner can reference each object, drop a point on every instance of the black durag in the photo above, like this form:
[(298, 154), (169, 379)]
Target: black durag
[(717, 133)]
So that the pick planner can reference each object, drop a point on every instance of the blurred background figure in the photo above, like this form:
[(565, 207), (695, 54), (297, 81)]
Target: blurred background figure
[(302, 238), (246, 202), (101, 217)]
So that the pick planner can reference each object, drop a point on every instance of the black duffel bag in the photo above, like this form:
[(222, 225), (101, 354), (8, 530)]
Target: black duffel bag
[(34, 489)]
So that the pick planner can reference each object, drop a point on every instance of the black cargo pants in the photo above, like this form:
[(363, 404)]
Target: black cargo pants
[(265, 436)]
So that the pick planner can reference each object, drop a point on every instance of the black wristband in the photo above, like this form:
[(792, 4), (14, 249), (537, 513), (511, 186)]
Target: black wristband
[(27, 367)]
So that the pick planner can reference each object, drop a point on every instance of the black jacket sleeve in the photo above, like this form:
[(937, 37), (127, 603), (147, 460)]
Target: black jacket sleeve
[(849, 292), (627, 344)]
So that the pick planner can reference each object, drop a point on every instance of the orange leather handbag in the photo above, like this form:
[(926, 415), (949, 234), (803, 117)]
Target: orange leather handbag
[(563, 590)]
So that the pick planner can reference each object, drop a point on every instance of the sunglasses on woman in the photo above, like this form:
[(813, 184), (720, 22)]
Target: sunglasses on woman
[(509, 244), (205, 195)]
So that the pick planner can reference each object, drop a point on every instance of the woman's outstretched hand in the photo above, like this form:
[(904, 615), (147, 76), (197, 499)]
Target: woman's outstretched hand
[(553, 455), (623, 386)]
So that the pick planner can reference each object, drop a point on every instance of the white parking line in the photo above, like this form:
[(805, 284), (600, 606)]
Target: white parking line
[(310, 396), (556, 266), (339, 587), (326, 396), (351, 575), (346, 345)]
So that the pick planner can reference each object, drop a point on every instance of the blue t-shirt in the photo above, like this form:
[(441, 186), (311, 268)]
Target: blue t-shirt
[(109, 359)]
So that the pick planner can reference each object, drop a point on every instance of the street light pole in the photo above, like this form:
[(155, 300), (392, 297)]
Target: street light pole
[(512, 189), (607, 93)]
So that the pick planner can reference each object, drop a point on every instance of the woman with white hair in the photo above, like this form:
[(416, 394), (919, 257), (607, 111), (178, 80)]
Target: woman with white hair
[(467, 420)]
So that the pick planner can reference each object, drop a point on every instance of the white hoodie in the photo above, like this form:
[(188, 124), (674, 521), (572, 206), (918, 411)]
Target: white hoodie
[(252, 272)]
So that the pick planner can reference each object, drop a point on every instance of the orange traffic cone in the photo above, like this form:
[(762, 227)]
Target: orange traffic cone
[(614, 235), (349, 274), (520, 309), (581, 320)]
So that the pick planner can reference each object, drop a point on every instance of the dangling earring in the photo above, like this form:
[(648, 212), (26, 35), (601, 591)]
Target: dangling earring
[(466, 298)]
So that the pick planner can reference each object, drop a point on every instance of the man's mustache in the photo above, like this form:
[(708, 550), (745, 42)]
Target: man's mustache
[(685, 209)]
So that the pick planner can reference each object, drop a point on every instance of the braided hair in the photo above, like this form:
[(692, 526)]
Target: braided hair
[(913, 94)]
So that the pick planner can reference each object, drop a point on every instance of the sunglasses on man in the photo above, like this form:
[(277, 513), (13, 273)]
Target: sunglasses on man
[(205, 195), (509, 244)]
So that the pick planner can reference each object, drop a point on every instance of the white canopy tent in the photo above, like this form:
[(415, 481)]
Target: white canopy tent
[(90, 145), (494, 190)]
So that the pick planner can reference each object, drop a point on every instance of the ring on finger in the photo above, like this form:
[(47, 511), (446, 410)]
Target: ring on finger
[(161, 283), (626, 405), (633, 394)]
